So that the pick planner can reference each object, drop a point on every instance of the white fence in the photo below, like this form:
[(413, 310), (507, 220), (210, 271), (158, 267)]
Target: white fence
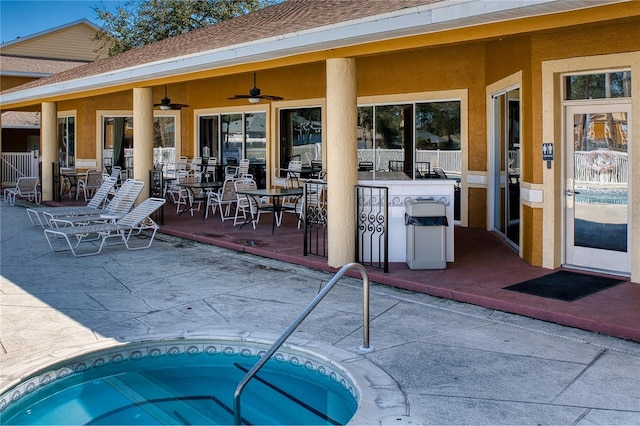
[(449, 161), (590, 166), (19, 164), (601, 166)]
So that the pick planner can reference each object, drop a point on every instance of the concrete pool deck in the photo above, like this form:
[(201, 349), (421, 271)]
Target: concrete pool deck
[(450, 362)]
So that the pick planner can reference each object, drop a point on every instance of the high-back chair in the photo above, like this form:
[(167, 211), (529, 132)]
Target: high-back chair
[(91, 182), (243, 167), (181, 164), (186, 197), (249, 205), (222, 199)]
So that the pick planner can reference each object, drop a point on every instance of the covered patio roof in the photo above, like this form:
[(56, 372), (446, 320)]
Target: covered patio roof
[(291, 28)]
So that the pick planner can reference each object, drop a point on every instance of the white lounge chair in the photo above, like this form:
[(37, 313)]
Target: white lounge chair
[(132, 224), (37, 217), (119, 205), (26, 187)]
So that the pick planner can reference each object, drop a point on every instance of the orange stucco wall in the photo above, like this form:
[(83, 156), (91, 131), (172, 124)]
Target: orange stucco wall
[(7, 82), (409, 69)]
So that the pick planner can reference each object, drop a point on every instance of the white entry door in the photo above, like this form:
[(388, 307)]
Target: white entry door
[(597, 187)]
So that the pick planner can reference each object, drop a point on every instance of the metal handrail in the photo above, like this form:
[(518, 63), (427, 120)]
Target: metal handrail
[(365, 327)]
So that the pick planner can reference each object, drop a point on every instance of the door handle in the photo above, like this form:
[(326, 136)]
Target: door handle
[(571, 192)]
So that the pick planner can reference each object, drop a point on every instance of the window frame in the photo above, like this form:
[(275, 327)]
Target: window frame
[(414, 101)]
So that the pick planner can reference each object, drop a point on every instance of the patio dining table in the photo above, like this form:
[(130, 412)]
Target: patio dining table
[(192, 187), (276, 194), (72, 176)]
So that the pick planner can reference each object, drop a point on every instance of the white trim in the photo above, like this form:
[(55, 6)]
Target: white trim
[(429, 18), (530, 195), (27, 74), (474, 179), (553, 211)]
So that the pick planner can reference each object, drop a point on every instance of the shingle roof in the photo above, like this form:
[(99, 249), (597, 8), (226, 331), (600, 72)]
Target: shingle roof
[(20, 119), (285, 18), (12, 65)]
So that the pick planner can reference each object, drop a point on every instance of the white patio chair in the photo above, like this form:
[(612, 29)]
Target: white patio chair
[(88, 185), (26, 187), (315, 195), (132, 224), (250, 205), (183, 196), (37, 215), (222, 199), (181, 164), (243, 168), (196, 165)]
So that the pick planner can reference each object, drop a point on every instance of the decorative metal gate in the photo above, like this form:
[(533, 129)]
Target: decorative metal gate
[(372, 231), (315, 218)]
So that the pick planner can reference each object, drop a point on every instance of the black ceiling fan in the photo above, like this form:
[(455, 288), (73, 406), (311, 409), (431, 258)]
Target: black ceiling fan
[(165, 103), (254, 95)]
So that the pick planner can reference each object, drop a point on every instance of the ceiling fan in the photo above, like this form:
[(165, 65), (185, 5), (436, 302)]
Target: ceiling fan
[(254, 95), (165, 103)]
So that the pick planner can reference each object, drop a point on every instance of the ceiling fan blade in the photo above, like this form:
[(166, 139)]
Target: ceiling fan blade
[(271, 97), (240, 97)]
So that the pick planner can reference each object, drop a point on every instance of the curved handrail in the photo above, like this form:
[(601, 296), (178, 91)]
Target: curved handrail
[(310, 307)]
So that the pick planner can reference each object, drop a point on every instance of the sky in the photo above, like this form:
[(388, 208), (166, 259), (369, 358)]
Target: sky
[(21, 18)]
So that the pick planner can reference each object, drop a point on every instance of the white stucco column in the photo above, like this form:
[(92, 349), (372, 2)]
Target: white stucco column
[(143, 137), (342, 158), (49, 146)]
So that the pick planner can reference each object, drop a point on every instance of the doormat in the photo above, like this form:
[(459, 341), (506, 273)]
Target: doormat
[(564, 285)]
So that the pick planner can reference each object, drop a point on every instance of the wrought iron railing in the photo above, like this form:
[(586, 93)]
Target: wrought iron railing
[(372, 230)]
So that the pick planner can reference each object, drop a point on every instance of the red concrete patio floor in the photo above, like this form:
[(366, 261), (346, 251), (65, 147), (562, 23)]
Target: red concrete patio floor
[(483, 266)]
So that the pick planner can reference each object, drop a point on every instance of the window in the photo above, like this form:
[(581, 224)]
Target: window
[(598, 86), (118, 140), (235, 136), (300, 135), (407, 141), (66, 142)]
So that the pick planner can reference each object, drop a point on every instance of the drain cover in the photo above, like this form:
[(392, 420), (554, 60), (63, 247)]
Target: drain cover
[(400, 420)]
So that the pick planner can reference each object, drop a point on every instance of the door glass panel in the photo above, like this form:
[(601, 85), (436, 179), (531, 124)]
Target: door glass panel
[(601, 172), (506, 169), (232, 136), (208, 127), (256, 136)]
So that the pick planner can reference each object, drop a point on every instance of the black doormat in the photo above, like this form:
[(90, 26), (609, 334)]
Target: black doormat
[(564, 285)]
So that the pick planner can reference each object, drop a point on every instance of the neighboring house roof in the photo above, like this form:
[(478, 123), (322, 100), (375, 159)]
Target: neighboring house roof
[(73, 41), (18, 66), (44, 54), (20, 120), (286, 29)]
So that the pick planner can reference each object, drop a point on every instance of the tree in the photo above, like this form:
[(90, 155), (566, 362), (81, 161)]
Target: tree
[(141, 22)]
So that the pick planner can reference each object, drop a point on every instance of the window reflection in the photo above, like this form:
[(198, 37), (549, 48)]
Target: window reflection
[(598, 86), (117, 134), (66, 141), (409, 141), (300, 135), (231, 137)]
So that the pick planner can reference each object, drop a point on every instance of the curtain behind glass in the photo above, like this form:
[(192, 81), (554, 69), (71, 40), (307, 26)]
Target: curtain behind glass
[(118, 142)]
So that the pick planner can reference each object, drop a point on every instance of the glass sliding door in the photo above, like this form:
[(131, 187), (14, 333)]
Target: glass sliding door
[(505, 170), (66, 142)]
